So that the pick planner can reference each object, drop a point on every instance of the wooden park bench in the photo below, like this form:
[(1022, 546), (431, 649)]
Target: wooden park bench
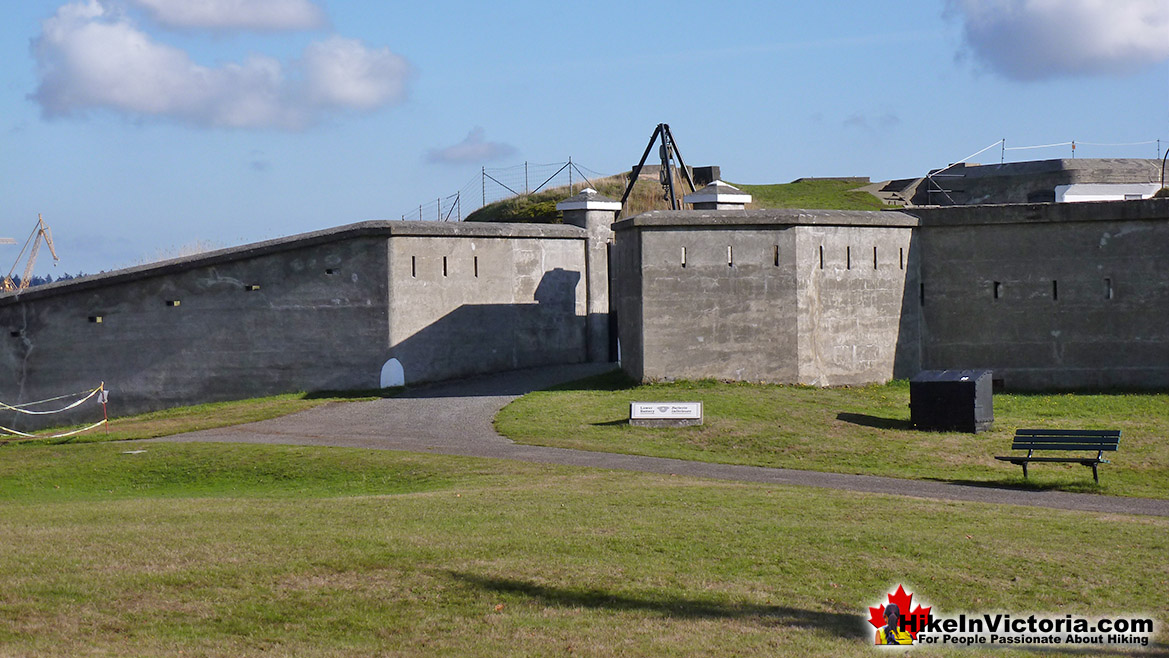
[(1032, 440)]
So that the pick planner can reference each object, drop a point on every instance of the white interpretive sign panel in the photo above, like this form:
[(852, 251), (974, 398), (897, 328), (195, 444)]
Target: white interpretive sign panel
[(665, 414)]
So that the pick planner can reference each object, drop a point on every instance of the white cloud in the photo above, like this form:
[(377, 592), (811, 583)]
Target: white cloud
[(1036, 39), (344, 73), (235, 14), (92, 58), (471, 149)]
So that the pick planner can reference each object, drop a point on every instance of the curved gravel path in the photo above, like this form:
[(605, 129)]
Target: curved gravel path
[(454, 418)]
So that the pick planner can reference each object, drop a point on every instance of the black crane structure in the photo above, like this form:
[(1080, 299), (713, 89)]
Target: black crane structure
[(668, 150)]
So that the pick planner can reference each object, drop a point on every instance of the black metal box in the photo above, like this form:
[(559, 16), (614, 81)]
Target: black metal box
[(951, 400)]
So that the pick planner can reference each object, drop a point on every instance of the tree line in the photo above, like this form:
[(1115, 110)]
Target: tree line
[(37, 280)]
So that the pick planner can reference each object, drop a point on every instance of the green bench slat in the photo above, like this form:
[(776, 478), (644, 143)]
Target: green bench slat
[(1032, 445), (1080, 460), (1102, 434)]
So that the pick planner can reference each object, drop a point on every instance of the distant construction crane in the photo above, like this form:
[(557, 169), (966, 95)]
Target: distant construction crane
[(40, 232)]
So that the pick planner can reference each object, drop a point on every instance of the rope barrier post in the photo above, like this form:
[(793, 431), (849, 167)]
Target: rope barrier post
[(105, 397)]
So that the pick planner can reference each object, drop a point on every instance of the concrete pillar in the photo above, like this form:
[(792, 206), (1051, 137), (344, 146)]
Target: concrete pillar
[(718, 196), (594, 213)]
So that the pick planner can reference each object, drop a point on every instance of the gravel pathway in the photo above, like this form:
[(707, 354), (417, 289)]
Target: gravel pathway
[(454, 418)]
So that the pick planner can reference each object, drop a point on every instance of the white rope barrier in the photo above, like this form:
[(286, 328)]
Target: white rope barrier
[(100, 392), (33, 404), (20, 408), (13, 432)]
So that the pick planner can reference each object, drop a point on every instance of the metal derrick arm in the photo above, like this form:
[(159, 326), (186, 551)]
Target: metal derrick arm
[(32, 246), (669, 149)]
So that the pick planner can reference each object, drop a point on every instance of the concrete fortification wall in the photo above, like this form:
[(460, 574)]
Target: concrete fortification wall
[(812, 297), (858, 318), (474, 304), (1028, 182), (1049, 296), (320, 311)]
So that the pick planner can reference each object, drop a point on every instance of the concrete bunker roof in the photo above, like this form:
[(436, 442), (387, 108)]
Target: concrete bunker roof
[(1042, 213), (1087, 170), (765, 217), (369, 229)]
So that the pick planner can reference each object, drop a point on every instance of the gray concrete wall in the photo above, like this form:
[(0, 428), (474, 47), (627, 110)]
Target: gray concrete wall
[(318, 311), (858, 320), (484, 303), (316, 321), (1030, 182), (718, 317), (598, 224), (751, 302), (1049, 296), (627, 293)]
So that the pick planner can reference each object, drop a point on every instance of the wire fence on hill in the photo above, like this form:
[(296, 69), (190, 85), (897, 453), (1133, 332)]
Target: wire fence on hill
[(499, 183), (494, 184)]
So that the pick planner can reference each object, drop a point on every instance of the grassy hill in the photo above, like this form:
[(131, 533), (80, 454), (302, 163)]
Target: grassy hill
[(647, 195), (823, 194), (541, 207)]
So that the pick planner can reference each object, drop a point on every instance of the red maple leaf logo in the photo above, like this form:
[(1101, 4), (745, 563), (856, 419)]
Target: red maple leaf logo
[(912, 622)]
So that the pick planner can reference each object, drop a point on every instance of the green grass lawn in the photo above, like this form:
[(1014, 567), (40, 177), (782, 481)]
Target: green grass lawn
[(850, 430), (199, 417), (647, 195), (828, 194), (233, 550)]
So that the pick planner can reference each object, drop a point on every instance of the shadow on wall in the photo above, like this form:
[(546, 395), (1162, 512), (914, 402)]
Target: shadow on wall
[(481, 338), (907, 357)]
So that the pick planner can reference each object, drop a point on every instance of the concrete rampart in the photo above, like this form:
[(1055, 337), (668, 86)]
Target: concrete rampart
[(325, 310), (476, 304), (1028, 182), (1049, 296), (791, 296)]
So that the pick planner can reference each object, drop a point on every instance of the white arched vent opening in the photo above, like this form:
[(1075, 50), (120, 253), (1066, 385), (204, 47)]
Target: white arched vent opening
[(393, 374)]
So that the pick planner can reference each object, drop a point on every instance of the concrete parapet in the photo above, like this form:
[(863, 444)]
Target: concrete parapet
[(346, 308), (766, 217), (781, 295), (1048, 296)]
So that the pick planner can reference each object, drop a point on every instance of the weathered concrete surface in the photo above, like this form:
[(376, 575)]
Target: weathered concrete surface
[(323, 310), (1064, 296), (1029, 182), (595, 213), (1049, 296), (454, 418), (793, 296), (301, 318), (856, 320), (464, 306)]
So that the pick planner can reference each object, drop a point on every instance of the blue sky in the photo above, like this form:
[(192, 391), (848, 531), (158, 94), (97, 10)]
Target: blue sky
[(140, 127)]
